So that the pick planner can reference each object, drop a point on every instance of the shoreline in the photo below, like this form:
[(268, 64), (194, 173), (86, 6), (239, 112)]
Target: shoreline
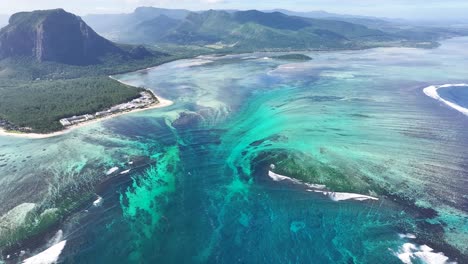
[(162, 102), (90, 122), (431, 91)]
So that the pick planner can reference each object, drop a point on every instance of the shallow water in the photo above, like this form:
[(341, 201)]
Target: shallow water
[(198, 189)]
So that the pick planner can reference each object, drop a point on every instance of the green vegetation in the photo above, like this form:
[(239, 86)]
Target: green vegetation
[(37, 95), (40, 220), (247, 31), (34, 95), (40, 104), (293, 57), (36, 91), (52, 66), (309, 169), (254, 30)]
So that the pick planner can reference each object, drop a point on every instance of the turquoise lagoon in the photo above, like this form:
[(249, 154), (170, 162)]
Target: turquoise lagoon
[(342, 159)]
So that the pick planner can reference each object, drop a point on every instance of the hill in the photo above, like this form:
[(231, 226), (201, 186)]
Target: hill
[(370, 22), (239, 31), (53, 65), (412, 31), (53, 35), (275, 30), (255, 30), (252, 30), (55, 55), (112, 26)]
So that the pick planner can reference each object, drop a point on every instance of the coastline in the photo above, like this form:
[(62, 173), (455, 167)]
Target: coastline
[(431, 91), (410, 236), (162, 102)]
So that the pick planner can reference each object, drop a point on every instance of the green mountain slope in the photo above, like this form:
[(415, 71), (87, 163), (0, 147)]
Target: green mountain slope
[(275, 20), (113, 26), (52, 65), (254, 30), (244, 31), (53, 35)]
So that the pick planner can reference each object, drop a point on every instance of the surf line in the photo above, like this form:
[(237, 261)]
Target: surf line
[(431, 91), (319, 188)]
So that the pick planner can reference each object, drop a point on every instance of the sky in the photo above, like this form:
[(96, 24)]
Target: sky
[(407, 9)]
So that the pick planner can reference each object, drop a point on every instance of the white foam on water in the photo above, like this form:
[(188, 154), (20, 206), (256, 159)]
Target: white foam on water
[(48, 256), (335, 196), (125, 172), (338, 75), (290, 68), (98, 202), (410, 252), (193, 63), (431, 91), (56, 238), (339, 196), (112, 170), (410, 236), (315, 186), (405, 253), (278, 177)]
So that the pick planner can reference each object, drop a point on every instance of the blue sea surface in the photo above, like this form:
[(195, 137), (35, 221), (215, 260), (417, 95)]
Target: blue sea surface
[(193, 181), (455, 94)]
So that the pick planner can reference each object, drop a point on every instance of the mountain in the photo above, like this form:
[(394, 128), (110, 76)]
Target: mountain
[(409, 30), (274, 20), (320, 14), (53, 65), (252, 30), (53, 35), (148, 31), (112, 25), (248, 31), (368, 21)]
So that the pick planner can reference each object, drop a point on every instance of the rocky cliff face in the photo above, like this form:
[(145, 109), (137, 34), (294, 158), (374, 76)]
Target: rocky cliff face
[(53, 35)]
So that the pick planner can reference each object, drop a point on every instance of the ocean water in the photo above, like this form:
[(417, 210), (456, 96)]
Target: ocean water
[(342, 159), (457, 95)]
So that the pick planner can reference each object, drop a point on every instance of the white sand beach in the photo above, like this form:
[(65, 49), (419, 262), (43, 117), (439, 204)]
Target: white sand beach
[(162, 103)]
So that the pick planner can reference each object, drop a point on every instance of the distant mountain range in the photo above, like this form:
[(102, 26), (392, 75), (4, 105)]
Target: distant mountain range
[(55, 35), (112, 25), (234, 30), (59, 36), (52, 59), (242, 31), (372, 22)]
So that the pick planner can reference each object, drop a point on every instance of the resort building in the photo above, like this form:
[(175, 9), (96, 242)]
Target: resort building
[(145, 100)]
